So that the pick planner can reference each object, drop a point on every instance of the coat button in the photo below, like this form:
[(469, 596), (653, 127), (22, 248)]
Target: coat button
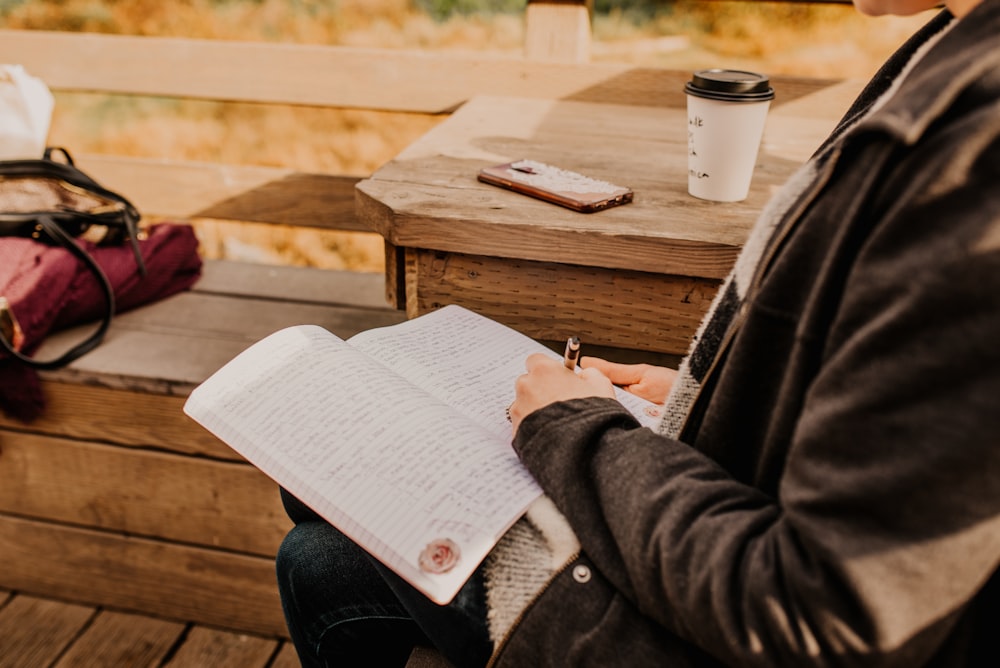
[(581, 573)]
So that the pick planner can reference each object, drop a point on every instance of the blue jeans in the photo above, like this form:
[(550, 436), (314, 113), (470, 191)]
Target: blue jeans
[(344, 608)]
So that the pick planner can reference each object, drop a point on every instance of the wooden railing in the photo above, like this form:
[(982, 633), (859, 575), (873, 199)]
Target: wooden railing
[(407, 81), (113, 497)]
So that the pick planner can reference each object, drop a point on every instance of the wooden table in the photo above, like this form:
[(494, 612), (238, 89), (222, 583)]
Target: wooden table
[(638, 276)]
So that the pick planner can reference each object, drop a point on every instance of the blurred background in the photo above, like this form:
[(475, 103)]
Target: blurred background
[(809, 39)]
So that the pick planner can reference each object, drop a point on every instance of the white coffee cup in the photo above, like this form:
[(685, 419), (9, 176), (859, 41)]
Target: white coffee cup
[(726, 112)]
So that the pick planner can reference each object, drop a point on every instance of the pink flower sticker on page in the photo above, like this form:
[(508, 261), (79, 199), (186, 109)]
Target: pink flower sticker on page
[(440, 556)]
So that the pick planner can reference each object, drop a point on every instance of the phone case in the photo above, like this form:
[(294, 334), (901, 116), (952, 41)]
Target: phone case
[(559, 186)]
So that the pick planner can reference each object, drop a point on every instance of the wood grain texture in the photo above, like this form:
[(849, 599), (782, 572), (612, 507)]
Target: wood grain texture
[(395, 276), (545, 300), (416, 81), (294, 284), (428, 197), (395, 80), (114, 638), (171, 346), (174, 581), (226, 505), (138, 356), (557, 31), (211, 647), (544, 269), (303, 200), (165, 188), (114, 497), (286, 657), (33, 631), (119, 639), (342, 77), (109, 415)]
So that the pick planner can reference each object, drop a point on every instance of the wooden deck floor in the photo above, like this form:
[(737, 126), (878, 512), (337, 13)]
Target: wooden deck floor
[(45, 633)]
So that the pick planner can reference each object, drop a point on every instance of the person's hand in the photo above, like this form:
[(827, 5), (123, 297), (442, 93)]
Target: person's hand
[(643, 380), (548, 381)]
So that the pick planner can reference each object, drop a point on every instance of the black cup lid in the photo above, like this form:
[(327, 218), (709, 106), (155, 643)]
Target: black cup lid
[(730, 85)]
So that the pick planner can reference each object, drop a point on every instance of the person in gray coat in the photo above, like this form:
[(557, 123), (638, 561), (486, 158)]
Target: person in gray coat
[(824, 489)]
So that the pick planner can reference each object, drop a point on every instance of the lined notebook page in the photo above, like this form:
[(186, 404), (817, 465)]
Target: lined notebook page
[(468, 361), (391, 466)]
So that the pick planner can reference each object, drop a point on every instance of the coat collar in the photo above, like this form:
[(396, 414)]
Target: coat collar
[(967, 52)]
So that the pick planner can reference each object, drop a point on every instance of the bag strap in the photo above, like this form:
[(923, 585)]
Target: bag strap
[(131, 214), (66, 170), (53, 229)]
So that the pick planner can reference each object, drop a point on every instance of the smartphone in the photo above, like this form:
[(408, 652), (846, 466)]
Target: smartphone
[(558, 186)]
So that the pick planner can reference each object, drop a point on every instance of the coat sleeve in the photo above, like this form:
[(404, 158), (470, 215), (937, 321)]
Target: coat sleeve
[(886, 525)]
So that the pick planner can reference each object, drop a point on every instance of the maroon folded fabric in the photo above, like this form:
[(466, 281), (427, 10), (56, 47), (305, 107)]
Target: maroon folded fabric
[(49, 289)]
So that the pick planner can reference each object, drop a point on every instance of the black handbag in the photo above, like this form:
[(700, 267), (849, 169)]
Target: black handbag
[(55, 203)]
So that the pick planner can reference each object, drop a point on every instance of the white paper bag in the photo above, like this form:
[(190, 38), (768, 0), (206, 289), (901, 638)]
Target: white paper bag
[(25, 114)]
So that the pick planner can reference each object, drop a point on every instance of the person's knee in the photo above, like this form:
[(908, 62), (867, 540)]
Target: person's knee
[(314, 569), (315, 560), (290, 553), (310, 554), (336, 604)]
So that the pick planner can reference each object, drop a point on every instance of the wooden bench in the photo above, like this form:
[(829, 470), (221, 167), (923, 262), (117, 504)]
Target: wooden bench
[(113, 497)]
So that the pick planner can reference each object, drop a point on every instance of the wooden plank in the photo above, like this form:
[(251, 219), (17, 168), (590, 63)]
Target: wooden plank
[(179, 582), (219, 649), (398, 80), (248, 193), (294, 284), (159, 352), (305, 200), (286, 657), (387, 79), (549, 301), (268, 244), (34, 631), (557, 31), (118, 639), (395, 275), (664, 230), (136, 419), (173, 345), (227, 505), (178, 189)]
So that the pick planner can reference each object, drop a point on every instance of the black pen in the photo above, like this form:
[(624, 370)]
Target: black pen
[(572, 353)]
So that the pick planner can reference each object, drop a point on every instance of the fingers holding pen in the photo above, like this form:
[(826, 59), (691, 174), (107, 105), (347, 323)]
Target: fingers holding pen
[(547, 381), (643, 380)]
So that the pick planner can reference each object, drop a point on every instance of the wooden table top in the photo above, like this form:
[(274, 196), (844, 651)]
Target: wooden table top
[(428, 197)]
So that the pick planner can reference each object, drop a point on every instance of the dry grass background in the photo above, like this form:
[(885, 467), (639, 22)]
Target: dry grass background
[(813, 40)]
